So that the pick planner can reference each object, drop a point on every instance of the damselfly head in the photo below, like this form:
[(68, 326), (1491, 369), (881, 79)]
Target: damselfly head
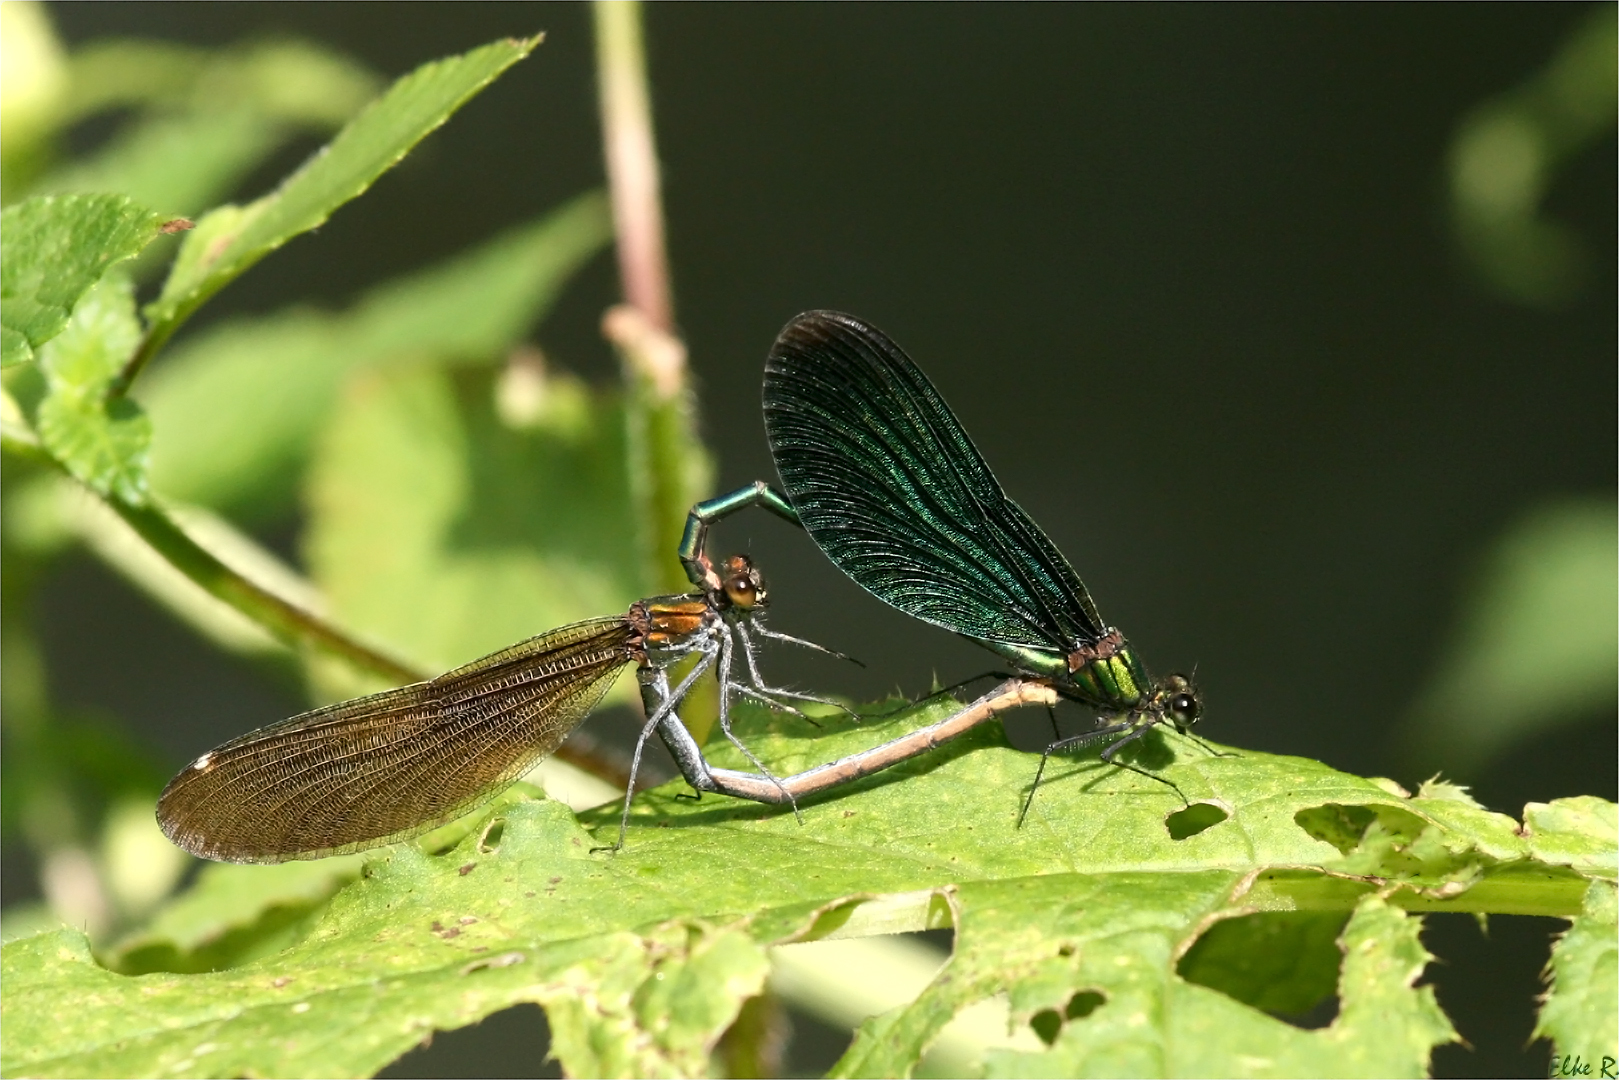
[(742, 583), (1180, 701)]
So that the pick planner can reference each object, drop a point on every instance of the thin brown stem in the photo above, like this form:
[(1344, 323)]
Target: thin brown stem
[(632, 160), (289, 622)]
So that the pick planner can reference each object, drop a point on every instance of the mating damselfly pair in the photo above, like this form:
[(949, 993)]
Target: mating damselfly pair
[(877, 470)]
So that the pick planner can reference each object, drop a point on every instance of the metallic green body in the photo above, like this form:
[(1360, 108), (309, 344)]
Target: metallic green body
[(1117, 683), (1046, 663), (694, 542)]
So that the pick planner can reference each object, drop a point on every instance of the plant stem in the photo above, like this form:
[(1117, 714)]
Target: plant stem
[(632, 160), (286, 620), (151, 341), (667, 467)]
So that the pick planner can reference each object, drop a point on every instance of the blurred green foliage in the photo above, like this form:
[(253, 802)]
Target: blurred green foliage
[(1536, 645), (536, 525), (1504, 159)]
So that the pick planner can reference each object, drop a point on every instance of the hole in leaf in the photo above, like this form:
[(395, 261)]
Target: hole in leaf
[(1320, 1016), (1048, 1023), (512, 1042), (1191, 820), (1084, 1003), (1282, 962), (1377, 839), (756, 1042), (1338, 825), (489, 842)]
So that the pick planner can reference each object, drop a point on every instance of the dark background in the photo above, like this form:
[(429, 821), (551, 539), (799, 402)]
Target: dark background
[(1183, 271)]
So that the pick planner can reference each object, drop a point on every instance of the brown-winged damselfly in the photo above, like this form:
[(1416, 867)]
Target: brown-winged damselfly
[(389, 766)]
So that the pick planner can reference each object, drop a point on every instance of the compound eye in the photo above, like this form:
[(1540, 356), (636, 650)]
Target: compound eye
[(741, 590), (1183, 709)]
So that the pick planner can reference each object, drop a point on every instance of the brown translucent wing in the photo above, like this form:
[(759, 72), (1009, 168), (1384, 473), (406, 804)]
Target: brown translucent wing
[(383, 768)]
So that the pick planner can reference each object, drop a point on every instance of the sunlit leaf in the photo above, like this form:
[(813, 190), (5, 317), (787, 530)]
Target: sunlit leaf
[(1581, 1011), (642, 957), (376, 140), (55, 249), (102, 440)]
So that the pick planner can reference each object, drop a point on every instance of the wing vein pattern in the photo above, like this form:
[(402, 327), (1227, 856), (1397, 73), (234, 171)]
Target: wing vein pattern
[(389, 766), (890, 486)]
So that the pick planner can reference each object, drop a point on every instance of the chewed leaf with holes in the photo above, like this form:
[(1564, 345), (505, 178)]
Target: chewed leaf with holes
[(1112, 921), (421, 943), (237, 912), (1088, 964), (233, 914), (1281, 962)]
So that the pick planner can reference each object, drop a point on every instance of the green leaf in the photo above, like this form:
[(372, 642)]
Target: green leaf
[(422, 499), (55, 249), (101, 440), (642, 957), (233, 914), (648, 1002), (236, 407), (371, 144), (1581, 1011), (1582, 832)]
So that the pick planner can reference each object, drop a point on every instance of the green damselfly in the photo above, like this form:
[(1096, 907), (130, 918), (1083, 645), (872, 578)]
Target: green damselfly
[(881, 474)]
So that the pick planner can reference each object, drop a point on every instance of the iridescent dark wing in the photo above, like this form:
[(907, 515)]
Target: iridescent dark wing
[(385, 767), (889, 485)]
